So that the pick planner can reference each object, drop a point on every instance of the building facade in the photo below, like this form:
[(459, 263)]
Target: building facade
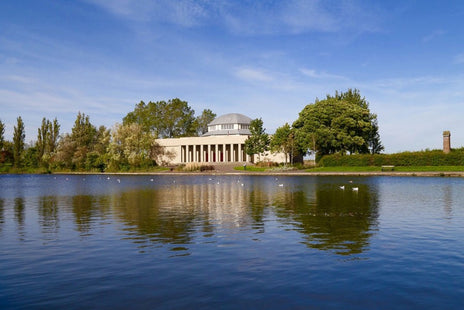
[(223, 143)]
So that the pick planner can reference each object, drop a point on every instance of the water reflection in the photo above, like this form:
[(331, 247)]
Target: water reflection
[(88, 209), (192, 210), (331, 218), (2, 213), (49, 214), (341, 221), (151, 214), (448, 201), (20, 215)]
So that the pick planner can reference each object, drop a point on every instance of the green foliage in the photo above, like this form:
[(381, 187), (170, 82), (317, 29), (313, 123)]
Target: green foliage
[(131, 147), (258, 142), (202, 121), (283, 141), (77, 150), (423, 158), (31, 157), (171, 119), (19, 136), (47, 141), (338, 124)]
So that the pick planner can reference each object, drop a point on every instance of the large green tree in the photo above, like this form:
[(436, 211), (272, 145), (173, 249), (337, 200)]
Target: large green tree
[(171, 119), (47, 140), (19, 136), (338, 124), (258, 141)]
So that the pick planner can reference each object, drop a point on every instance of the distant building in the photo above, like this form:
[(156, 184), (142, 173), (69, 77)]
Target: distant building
[(223, 143)]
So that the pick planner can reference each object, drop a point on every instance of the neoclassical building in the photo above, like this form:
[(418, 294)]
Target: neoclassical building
[(223, 143)]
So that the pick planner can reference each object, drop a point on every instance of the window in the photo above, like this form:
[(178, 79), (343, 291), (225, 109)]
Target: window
[(227, 126)]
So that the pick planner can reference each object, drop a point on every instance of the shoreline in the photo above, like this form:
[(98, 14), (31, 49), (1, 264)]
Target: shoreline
[(286, 173)]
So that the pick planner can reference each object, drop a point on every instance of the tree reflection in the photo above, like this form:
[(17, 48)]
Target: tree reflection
[(146, 213), (19, 214), (48, 213), (332, 218), (2, 213), (82, 207)]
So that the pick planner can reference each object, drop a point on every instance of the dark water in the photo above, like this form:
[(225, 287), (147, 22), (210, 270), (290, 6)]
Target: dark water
[(145, 242)]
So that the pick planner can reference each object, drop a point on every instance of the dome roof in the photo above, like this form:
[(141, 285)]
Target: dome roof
[(231, 118)]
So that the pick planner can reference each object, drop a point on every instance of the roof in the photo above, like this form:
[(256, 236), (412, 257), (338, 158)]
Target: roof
[(231, 118), (225, 132)]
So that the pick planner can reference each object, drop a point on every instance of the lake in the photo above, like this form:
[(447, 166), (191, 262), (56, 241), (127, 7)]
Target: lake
[(231, 242)]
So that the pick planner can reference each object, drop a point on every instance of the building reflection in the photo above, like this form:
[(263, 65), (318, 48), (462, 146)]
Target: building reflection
[(173, 214), (328, 218)]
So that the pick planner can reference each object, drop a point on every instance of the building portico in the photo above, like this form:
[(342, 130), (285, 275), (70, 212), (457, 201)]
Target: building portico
[(223, 143)]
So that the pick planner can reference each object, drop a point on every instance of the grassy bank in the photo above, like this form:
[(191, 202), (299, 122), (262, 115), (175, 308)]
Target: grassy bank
[(397, 169)]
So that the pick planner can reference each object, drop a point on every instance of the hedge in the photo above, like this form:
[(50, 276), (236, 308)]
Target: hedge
[(423, 158)]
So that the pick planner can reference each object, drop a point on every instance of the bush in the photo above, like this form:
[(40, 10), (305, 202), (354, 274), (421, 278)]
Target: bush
[(197, 167), (422, 158)]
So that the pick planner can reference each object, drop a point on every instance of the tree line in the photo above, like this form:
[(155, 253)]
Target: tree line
[(128, 145), (339, 124)]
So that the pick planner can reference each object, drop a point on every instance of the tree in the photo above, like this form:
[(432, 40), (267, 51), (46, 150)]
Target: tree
[(54, 134), (19, 136), (283, 141), (130, 147), (83, 136), (97, 157), (338, 124), (73, 148), (202, 121), (258, 141), (171, 119)]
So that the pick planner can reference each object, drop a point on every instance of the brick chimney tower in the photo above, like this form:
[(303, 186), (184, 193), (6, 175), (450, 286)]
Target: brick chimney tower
[(446, 142)]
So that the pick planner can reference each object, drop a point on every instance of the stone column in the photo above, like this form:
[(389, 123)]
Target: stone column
[(240, 153), (224, 153), (202, 153), (209, 153), (446, 142)]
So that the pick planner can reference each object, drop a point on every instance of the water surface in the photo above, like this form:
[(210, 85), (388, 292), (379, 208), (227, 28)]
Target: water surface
[(118, 242)]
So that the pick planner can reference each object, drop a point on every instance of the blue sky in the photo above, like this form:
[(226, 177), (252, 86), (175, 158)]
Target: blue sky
[(264, 59)]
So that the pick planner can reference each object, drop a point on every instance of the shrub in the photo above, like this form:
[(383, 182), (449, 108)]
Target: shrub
[(422, 158)]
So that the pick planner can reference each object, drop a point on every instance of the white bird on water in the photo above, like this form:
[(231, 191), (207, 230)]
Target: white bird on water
[(281, 185), (342, 187), (355, 189)]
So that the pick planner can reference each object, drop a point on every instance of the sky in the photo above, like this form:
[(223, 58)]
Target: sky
[(264, 59)]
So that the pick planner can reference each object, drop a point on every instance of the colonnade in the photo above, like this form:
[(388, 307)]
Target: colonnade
[(209, 153)]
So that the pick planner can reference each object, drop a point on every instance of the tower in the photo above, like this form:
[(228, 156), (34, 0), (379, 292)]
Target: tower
[(446, 142)]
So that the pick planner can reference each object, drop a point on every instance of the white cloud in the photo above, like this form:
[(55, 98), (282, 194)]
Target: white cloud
[(186, 13), (249, 17), (253, 75), (320, 75)]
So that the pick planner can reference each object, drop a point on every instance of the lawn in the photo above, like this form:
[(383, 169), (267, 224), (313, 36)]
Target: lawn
[(397, 168)]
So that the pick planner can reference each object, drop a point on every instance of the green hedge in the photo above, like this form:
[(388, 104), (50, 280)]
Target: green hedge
[(423, 158)]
